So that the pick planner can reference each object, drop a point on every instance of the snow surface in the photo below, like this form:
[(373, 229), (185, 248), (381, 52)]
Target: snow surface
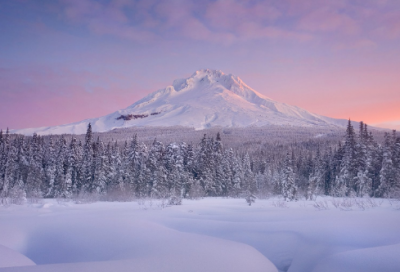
[(212, 234), (206, 99), (9, 258)]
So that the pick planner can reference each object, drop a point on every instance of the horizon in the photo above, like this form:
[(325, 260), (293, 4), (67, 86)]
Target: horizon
[(66, 61)]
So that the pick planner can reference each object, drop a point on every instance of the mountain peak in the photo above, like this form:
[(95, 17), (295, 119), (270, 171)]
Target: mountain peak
[(205, 77), (207, 72), (207, 98)]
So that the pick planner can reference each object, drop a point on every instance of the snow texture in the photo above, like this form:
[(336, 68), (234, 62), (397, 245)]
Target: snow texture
[(212, 234), (10, 258), (206, 99)]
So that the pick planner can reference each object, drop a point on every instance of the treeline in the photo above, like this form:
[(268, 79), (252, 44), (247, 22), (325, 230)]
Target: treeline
[(52, 167)]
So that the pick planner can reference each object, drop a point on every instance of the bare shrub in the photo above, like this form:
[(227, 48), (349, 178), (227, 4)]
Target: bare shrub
[(118, 193), (280, 204), (395, 203), (84, 198), (321, 205), (34, 200), (344, 204), (373, 202), (162, 203), (175, 200)]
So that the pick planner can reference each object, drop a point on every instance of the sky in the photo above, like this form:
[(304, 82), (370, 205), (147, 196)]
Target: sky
[(63, 61)]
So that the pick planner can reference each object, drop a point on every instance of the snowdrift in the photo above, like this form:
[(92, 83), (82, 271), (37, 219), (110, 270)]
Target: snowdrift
[(212, 234)]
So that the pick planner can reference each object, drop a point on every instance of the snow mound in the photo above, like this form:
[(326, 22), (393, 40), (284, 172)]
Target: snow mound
[(211, 234), (10, 258), (118, 237), (383, 258), (206, 99)]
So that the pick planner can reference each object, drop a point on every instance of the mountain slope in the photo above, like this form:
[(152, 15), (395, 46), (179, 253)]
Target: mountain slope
[(205, 99)]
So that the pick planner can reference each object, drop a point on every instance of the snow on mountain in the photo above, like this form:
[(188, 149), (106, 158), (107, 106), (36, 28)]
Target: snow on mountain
[(207, 98)]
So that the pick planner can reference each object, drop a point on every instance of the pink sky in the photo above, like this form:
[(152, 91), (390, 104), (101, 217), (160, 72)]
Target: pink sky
[(64, 61)]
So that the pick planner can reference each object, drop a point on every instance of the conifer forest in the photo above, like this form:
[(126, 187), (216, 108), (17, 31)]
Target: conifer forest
[(65, 167)]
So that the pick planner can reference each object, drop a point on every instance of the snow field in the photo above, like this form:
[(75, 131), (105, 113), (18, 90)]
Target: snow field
[(211, 234)]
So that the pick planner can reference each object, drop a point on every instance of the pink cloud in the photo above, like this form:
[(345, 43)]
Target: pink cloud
[(225, 14), (220, 22), (254, 31), (357, 44), (327, 19), (225, 21), (389, 25), (106, 19)]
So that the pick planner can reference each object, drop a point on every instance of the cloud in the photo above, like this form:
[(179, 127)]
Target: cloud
[(228, 15), (389, 25), (221, 21), (326, 19), (106, 19), (355, 45)]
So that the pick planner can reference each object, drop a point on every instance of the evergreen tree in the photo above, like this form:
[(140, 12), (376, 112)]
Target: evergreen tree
[(62, 185), (289, 188), (249, 183), (50, 168), (35, 177), (204, 171), (218, 166), (156, 172), (345, 180), (87, 163), (317, 177), (387, 173), (100, 168), (74, 171)]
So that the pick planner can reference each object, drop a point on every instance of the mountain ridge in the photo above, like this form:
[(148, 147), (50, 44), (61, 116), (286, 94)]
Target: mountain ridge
[(206, 99)]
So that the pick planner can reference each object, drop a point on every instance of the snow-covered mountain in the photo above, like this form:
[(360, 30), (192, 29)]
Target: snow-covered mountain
[(207, 98)]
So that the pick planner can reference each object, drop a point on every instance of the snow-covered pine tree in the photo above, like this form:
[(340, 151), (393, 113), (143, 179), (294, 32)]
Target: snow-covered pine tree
[(289, 188), (50, 168), (204, 165), (185, 178), (363, 182), (227, 176), (218, 166), (132, 164), (17, 192), (9, 173), (156, 173), (174, 166), (396, 164), (141, 175), (36, 176), (186, 152), (387, 173), (3, 160), (100, 163), (317, 177), (109, 171), (345, 179), (74, 159), (249, 183), (116, 187), (237, 175), (62, 186), (87, 163)]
